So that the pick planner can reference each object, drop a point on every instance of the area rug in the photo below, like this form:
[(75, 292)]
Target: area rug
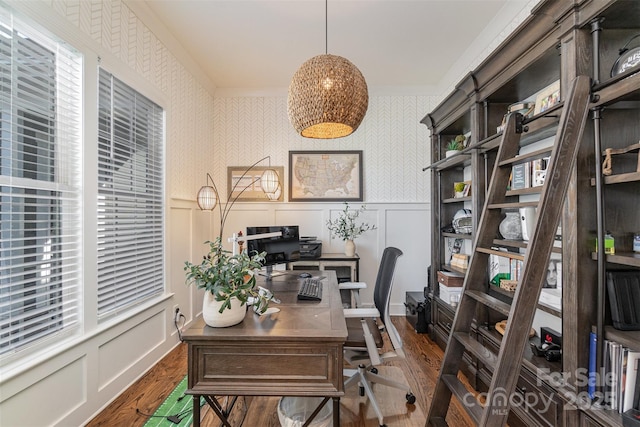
[(175, 411)]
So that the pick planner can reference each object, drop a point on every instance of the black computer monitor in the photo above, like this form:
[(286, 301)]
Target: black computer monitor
[(280, 249)]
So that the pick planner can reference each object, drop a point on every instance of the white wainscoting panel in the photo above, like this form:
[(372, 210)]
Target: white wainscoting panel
[(122, 352), (59, 394)]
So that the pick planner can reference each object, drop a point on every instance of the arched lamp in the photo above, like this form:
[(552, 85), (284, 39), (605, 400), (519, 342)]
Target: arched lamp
[(208, 195)]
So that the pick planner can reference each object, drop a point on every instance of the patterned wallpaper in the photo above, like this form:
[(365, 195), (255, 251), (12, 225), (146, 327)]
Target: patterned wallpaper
[(393, 142), (207, 135)]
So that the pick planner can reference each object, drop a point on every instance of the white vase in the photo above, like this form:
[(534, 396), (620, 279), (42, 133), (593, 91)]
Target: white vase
[(450, 153), (349, 248), (229, 317), (511, 227)]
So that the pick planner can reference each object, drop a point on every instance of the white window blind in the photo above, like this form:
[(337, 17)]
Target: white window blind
[(40, 187), (130, 197)]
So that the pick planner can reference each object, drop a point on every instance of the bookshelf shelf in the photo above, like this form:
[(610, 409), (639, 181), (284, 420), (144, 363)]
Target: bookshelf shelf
[(629, 339), (620, 178), (458, 236), (629, 259), (456, 200)]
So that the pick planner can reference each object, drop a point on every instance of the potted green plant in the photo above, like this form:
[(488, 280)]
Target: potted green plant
[(345, 227), (454, 145), (229, 282)]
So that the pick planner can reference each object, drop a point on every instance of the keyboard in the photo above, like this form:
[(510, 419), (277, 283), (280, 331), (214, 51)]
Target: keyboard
[(310, 289)]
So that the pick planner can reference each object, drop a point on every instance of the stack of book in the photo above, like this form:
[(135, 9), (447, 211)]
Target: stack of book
[(621, 380)]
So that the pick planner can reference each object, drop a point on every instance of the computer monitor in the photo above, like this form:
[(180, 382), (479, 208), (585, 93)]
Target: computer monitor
[(280, 249)]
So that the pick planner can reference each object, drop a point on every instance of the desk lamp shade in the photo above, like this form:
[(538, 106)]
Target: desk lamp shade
[(269, 181), (207, 198), (328, 98)]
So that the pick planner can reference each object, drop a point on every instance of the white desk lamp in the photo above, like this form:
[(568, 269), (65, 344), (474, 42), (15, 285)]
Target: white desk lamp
[(235, 238)]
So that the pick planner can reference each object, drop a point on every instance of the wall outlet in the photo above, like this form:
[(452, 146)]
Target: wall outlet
[(176, 312)]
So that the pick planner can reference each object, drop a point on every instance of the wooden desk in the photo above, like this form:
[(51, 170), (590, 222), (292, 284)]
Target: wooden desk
[(295, 352)]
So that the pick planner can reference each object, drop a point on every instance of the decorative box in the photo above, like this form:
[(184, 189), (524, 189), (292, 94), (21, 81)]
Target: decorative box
[(450, 279)]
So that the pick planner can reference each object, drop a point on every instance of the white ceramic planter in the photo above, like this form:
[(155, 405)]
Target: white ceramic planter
[(229, 317)]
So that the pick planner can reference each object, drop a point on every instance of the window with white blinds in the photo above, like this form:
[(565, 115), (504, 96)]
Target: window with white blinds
[(130, 197), (40, 187)]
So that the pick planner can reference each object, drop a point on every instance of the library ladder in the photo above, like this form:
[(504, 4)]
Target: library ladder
[(506, 365)]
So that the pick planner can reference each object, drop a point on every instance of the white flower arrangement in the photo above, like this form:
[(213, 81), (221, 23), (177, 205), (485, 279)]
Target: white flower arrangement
[(345, 226)]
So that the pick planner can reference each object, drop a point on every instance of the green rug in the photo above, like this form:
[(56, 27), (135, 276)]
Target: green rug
[(176, 410)]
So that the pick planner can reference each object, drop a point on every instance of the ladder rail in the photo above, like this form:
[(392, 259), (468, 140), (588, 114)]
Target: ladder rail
[(563, 157), (495, 410), (474, 280)]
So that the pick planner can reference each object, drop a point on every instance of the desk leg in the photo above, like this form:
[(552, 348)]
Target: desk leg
[(196, 411), (336, 411)]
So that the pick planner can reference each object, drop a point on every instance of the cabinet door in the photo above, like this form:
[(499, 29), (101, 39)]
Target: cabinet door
[(442, 321)]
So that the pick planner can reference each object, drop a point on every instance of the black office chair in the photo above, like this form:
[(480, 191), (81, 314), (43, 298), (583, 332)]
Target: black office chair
[(365, 343)]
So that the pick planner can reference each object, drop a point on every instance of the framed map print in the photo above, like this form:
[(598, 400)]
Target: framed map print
[(325, 176)]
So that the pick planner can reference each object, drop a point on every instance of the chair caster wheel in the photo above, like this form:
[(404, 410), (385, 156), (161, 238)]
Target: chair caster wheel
[(374, 370), (411, 398), (361, 391)]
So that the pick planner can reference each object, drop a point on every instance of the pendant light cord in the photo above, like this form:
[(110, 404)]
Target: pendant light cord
[(326, 27)]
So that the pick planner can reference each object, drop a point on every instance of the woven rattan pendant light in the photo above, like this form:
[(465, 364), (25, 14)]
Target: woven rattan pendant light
[(328, 96)]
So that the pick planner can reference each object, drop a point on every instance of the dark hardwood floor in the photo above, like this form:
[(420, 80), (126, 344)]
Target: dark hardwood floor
[(420, 369)]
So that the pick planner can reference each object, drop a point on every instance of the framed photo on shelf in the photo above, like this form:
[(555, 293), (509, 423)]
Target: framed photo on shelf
[(547, 98), (553, 278), (326, 176), (250, 183)]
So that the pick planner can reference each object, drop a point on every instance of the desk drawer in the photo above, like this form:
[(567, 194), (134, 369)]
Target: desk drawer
[(310, 368)]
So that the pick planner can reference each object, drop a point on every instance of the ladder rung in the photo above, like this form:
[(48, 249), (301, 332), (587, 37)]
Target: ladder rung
[(512, 205), (481, 352), (505, 254), (461, 393), (489, 301), (522, 158)]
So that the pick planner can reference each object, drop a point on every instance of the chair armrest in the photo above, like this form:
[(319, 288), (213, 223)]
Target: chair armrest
[(361, 312), (352, 285)]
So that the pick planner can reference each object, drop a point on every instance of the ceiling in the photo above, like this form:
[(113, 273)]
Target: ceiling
[(254, 44)]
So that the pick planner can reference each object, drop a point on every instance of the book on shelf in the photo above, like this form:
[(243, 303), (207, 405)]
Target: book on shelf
[(499, 267), (591, 385), (612, 374), (521, 176), (630, 375), (460, 261), (636, 393), (621, 379)]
